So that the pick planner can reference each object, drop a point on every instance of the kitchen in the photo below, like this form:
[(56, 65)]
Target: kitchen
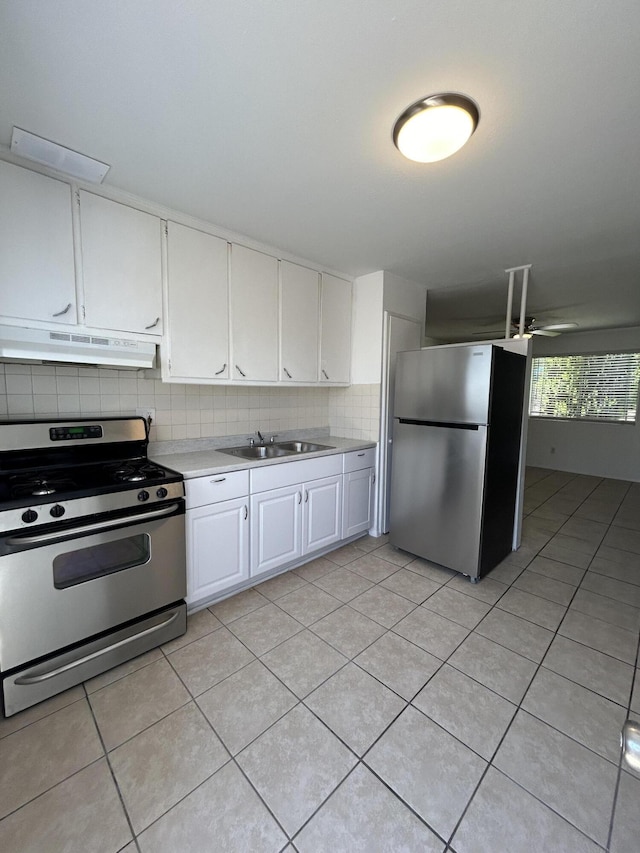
[(191, 407)]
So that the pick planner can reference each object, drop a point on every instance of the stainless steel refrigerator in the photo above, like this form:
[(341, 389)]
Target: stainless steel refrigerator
[(456, 447)]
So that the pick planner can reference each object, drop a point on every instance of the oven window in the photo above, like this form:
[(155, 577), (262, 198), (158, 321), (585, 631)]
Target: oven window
[(86, 564)]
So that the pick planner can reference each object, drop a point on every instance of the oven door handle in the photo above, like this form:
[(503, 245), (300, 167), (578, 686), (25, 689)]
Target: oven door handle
[(54, 536), (52, 673)]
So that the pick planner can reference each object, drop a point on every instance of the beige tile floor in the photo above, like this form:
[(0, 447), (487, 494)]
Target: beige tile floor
[(368, 701)]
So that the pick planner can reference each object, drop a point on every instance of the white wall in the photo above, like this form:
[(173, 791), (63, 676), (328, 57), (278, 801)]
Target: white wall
[(404, 297), (599, 449), (366, 345)]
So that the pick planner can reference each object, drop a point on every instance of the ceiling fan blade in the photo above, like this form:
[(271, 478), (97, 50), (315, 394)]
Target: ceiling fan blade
[(557, 327), (545, 332)]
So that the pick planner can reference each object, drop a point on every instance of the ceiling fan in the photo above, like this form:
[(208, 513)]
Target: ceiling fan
[(550, 330)]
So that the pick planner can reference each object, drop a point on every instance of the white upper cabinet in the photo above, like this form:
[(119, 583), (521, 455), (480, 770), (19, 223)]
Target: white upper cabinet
[(299, 306), (197, 325), (121, 266), (254, 315), (37, 274), (335, 338)]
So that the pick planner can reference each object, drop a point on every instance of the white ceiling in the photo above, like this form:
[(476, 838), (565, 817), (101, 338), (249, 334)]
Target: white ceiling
[(273, 118)]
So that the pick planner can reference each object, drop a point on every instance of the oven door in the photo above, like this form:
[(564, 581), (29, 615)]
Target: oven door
[(61, 587)]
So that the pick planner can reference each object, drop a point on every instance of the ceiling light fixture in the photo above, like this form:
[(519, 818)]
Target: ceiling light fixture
[(435, 127), (58, 157)]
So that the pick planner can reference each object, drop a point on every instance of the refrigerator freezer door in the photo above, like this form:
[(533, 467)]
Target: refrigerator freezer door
[(446, 384), (436, 493)]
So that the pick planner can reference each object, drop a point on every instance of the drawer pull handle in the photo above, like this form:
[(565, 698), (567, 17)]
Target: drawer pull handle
[(287, 372), (360, 454), (374, 478), (219, 480), (246, 512), (222, 369), (154, 324), (299, 497), (64, 310), (324, 373), (306, 495), (240, 371)]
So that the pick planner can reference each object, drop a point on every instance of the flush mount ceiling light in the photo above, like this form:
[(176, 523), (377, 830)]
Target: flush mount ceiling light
[(435, 127)]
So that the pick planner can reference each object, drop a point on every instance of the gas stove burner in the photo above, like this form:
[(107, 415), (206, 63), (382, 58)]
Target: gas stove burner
[(40, 486), (137, 473), (43, 489)]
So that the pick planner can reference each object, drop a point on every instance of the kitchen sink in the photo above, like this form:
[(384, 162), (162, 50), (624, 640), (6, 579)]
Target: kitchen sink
[(272, 451), (260, 451), (303, 446)]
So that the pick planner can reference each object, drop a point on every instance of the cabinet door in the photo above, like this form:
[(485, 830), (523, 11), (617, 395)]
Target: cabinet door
[(217, 548), (37, 274), (276, 528), (254, 315), (121, 266), (299, 305), (197, 327), (335, 340), (322, 513), (357, 501)]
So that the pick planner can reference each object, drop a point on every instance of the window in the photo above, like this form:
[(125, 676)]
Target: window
[(586, 387)]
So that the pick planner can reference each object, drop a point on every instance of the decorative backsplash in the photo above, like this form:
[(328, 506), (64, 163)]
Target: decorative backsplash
[(186, 411)]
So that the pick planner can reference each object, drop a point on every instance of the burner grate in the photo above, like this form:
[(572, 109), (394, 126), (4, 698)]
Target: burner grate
[(137, 472), (39, 485)]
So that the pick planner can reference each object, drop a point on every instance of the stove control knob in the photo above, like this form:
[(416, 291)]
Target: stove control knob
[(162, 492), (143, 496), (29, 516), (57, 511)]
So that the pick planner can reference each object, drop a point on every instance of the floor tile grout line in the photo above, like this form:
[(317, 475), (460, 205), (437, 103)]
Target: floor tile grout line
[(621, 755), (502, 739), (43, 717), (616, 787), (113, 776), (51, 787), (232, 757)]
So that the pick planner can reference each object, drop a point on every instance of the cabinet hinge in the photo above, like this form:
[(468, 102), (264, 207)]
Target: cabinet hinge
[(166, 229), (77, 194), (84, 314)]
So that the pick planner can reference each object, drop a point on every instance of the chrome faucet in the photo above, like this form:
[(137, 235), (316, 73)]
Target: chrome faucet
[(259, 434)]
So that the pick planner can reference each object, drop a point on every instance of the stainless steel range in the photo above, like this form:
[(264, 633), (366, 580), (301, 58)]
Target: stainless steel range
[(92, 553)]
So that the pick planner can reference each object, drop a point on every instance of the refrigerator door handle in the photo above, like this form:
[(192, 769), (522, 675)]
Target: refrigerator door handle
[(442, 424)]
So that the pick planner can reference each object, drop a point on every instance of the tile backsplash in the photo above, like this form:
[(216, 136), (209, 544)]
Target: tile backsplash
[(185, 411)]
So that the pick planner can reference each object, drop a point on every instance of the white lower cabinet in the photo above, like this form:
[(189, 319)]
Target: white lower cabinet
[(283, 512), (357, 501), (217, 522), (321, 517), (295, 520), (358, 480), (276, 528)]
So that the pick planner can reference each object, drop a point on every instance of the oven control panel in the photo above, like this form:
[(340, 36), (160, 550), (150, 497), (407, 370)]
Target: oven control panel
[(82, 508), (75, 432)]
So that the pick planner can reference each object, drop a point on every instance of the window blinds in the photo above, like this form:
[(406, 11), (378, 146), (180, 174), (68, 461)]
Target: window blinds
[(590, 387)]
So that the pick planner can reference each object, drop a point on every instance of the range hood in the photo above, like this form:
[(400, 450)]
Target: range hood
[(18, 344)]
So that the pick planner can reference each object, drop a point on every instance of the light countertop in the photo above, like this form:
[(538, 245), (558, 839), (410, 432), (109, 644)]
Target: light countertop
[(202, 463)]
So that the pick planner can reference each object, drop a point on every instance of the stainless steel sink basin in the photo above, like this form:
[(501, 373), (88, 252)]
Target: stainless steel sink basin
[(303, 446), (268, 451), (272, 451)]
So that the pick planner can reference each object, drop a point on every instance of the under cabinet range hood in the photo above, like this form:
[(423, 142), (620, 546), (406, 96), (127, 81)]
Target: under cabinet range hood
[(19, 344)]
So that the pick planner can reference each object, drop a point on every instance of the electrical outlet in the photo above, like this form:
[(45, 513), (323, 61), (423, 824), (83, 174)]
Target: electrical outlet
[(147, 413)]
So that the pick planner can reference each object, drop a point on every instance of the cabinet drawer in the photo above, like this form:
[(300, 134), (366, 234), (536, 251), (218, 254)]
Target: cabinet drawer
[(290, 473), (217, 487), (357, 459)]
